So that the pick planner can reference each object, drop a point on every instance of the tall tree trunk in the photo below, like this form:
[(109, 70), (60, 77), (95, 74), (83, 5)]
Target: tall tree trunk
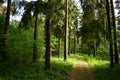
[(69, 44), (7, 17), (35, 50), (88, 50), (95, 49), (66, 33), (59, 42), (105, 28), (114, 33), (110, 34), (74, 39), (7, 20), (47, 51), (47, 34)]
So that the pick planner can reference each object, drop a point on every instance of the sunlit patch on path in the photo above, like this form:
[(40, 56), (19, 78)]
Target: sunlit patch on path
[(81, 71)]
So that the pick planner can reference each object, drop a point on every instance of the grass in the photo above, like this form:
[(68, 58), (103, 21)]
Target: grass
[(102, 69), (59, 69), (35, 71)]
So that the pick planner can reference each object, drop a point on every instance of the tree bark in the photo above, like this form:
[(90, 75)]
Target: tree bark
[(88, 50), (69, 44), (74, 39), (114, 33), (47, 34), (66, 33), (4, 53), (35, 50), (95, 49), (59, 42), (36, 28), (7, 17), (110, 34), (47, 51)]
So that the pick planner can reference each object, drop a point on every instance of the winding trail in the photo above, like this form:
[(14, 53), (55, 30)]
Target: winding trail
[(81, 71)]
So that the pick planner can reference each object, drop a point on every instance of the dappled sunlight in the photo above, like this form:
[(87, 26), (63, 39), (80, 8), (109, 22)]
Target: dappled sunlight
[(102, 69), (81, 71), (35, 71)]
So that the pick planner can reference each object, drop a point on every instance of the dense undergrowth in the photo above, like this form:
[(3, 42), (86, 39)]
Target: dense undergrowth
[(28, 70), (59, 69), (102, 69), (35, 71)]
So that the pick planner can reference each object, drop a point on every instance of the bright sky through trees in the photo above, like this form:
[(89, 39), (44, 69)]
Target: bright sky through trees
[(77, 3), (18, 17)]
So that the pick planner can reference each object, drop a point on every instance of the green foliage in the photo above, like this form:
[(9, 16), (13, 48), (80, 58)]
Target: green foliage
[(54, 43), (93, 25), (101, 11), (102, 70), (90, 32), (20, 44), (78, 45), (34, 7), (35, 71), (89, 11), (103, 51)]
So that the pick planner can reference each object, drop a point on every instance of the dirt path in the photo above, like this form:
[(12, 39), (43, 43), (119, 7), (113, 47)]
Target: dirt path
[(81, 71)]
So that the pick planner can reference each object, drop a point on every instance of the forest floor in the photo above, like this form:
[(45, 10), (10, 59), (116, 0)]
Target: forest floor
[(81, 71)]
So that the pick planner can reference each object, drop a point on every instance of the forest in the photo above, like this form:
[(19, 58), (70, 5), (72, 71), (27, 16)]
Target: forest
[(59, 39)]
